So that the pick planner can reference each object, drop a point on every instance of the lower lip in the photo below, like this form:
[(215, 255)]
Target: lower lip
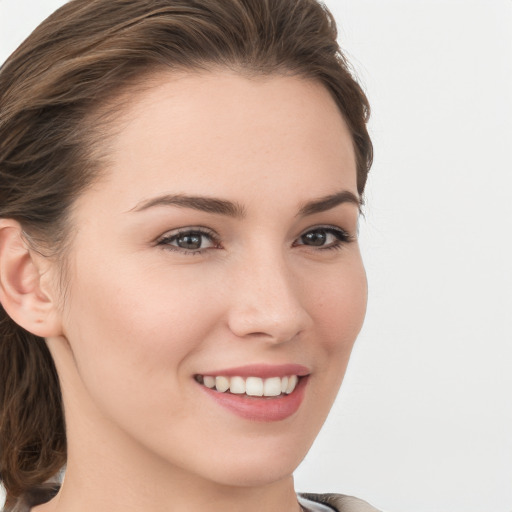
[(264, 409)]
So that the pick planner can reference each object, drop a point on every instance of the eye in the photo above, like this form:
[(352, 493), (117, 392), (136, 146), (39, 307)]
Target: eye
[(189, 241), (325, 238)]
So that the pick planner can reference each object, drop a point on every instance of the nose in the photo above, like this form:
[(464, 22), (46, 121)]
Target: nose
[(267, 300)]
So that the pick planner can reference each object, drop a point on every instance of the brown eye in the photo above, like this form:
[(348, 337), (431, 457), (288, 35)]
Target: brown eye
[(325, 238), (315, 238), (189, 241)]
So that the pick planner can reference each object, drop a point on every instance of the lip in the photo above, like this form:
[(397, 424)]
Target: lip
[(261, 409), (265, 371)]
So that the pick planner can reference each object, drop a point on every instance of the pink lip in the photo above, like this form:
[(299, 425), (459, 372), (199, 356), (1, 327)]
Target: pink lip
[(265, 371), (264, 409)]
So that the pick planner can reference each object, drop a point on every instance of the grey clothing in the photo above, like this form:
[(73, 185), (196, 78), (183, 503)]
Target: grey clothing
[(333, 502)]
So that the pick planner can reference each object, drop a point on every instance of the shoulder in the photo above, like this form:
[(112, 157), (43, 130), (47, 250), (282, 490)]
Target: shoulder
[(337, 502)]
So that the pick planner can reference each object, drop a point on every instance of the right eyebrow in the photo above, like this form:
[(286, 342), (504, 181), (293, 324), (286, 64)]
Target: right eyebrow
[(326, 203), (202, 203)]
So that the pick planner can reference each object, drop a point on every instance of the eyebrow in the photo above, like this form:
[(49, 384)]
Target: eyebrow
[(202, 203), (232, 209), (329, 202)]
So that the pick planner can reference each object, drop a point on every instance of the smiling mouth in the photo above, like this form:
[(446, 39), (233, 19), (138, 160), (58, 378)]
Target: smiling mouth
[(250, 386)]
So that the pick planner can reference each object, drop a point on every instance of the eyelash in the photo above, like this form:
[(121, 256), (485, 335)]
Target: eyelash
[(166, 240), (342, 238)]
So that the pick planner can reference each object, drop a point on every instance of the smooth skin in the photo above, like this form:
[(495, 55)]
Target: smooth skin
[(159, 292)]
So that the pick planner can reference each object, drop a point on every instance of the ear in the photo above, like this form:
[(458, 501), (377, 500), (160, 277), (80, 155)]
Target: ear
[(25, 291)]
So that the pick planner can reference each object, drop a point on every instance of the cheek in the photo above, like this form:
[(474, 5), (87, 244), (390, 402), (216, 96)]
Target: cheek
[(338, 305), (133, 341), (124, 323), (336, 302)]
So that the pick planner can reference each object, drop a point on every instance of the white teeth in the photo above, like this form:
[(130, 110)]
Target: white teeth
[(252, 386), (292, 382), (209, 382), (272, 387), (222, 384), (237, 385)]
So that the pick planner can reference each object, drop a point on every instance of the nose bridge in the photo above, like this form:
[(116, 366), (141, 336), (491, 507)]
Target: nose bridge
[(266, 298)]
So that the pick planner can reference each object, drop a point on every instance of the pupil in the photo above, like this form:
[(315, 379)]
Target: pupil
[(190, 241), (314, 238)]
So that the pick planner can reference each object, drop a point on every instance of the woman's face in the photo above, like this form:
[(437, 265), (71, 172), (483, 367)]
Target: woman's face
[(220, 247)]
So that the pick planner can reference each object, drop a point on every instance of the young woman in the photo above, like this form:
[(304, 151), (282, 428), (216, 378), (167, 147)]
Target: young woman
[(180, 278)]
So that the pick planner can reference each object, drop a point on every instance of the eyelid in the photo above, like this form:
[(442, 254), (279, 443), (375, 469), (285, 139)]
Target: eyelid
[(328, 227), (165, 239), (342, 235)]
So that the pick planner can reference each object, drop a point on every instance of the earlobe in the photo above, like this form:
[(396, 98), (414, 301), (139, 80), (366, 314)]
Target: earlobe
[(22, 291)]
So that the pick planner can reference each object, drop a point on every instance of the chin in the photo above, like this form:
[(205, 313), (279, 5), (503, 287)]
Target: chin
[(253, 475), (261, 462)]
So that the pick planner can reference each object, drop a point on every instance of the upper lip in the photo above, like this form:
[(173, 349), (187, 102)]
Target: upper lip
[(262, 370)]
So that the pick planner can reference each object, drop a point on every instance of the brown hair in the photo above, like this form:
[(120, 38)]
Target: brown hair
[(71, 66)]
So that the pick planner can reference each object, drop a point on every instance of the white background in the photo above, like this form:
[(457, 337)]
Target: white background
[(424, 419)]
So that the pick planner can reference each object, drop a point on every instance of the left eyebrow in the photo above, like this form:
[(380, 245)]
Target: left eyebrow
[(201, 203), (328, 202)]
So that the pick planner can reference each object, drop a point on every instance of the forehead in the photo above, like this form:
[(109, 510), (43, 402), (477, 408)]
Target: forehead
[(197, 132)]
